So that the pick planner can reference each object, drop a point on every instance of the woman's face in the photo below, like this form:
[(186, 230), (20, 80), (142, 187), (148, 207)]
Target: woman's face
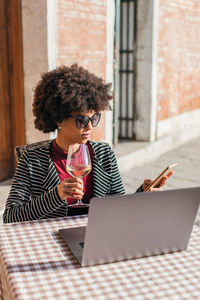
[(71, 134)]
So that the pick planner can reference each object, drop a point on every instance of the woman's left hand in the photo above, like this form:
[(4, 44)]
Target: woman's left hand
[(160, 184)]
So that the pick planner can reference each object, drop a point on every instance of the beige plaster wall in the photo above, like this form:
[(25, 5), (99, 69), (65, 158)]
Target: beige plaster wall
[(34, 30)]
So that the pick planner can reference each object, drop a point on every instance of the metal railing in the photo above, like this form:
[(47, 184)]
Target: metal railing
[(127, 69)]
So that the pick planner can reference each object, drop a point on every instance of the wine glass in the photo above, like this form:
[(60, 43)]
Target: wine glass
[(78, 165)]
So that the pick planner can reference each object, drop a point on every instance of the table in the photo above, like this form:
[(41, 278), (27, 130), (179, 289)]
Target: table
[(35, 263)]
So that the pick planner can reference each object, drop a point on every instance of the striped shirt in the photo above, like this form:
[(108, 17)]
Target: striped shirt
[(33, 193)]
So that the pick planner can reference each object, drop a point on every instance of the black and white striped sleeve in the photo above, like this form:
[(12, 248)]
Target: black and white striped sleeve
[(20, 205), (117, 186)]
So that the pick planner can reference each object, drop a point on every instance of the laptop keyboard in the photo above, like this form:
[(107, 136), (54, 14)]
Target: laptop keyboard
[(81, 244)]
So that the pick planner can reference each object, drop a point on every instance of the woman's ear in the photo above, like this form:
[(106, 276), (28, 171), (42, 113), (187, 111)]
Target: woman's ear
[(59, 126)]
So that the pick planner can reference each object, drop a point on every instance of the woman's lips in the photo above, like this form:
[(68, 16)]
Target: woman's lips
[(85, 135)]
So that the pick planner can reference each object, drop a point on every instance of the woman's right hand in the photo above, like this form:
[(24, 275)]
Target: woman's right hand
[(71, 188)]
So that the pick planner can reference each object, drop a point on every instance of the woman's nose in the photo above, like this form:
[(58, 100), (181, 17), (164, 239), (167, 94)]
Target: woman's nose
[(89, 125)]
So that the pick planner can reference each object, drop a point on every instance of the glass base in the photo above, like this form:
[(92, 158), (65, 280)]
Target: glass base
[(78, 204)]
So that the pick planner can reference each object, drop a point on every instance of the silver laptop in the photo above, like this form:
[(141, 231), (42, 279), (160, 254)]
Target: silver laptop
[(133, 226)]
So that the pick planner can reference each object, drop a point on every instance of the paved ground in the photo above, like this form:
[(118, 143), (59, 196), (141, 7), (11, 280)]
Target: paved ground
[(187, 173)]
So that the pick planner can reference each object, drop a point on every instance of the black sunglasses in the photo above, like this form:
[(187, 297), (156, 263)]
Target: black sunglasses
[(82, 121)]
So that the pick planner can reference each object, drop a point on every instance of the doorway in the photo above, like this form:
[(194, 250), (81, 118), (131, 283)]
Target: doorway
[(127, 69), (135, 76), (11, 85)]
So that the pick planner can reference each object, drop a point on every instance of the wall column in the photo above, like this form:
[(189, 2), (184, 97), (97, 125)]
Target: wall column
[(146, 81)]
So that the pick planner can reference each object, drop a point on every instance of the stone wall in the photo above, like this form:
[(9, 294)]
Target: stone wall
[(82, 39), (178, 58)]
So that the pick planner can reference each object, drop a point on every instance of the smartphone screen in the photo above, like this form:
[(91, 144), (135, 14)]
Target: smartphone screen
[(155, 181)]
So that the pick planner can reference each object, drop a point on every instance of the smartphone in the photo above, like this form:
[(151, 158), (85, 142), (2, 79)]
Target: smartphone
[(153, 183)]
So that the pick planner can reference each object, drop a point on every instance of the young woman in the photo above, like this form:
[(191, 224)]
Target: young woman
[(71, 100)]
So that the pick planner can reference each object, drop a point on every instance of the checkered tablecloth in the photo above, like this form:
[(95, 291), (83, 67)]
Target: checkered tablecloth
[(35, 263)]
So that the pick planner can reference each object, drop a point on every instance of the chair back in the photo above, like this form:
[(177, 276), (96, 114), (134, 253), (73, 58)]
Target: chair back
[(19, 150)]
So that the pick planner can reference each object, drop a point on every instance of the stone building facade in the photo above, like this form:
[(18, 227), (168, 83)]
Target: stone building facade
[(166, 53), (167, 57)]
